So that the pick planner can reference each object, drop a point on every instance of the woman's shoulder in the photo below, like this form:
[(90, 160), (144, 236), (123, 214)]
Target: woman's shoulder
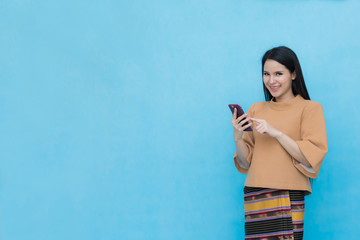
[(311, 104), (258, 105)]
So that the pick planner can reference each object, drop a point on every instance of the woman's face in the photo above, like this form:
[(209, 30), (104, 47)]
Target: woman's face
[(277, 79)]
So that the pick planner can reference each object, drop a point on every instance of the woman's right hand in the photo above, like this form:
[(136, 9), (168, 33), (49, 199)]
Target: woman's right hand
[(237, 124)]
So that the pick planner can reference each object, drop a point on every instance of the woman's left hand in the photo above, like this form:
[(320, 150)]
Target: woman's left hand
[(264, 127)]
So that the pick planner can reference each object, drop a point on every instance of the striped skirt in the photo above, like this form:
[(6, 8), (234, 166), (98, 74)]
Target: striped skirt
[(273, 213)]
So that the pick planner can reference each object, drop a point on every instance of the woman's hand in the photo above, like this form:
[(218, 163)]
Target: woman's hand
[(264, 127), (237, 124)]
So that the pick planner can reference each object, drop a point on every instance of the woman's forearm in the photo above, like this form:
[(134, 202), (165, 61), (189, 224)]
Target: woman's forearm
[(242, 153), (292, 148)]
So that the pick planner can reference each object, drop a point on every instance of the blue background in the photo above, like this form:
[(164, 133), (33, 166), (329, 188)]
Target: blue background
[(114, 119)]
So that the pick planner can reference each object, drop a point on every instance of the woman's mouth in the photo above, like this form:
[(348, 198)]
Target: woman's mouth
[(274, 88)]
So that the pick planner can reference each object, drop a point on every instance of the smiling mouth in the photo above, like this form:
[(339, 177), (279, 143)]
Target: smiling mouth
[(275, 88)]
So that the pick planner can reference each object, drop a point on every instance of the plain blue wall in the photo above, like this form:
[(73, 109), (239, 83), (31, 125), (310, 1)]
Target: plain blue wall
[(114, 119)]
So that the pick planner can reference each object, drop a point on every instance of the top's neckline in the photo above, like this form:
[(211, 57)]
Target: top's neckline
[(287, 104)]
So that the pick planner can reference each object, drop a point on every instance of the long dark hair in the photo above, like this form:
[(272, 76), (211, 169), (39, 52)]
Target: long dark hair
[(288, 58)]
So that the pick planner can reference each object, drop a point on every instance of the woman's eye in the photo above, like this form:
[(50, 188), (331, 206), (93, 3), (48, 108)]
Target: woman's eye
[(279, 73)]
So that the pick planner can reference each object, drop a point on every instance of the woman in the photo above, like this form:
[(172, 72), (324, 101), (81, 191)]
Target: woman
[(285, 149)]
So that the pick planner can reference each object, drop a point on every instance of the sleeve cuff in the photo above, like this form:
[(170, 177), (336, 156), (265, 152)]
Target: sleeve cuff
[(314, 153), (309, 172), (309, 169)]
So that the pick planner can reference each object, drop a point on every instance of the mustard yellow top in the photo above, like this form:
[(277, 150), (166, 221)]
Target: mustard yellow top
[(271, 166)]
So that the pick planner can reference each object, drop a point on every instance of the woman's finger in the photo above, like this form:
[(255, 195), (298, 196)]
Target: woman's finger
[(255, 119), (241, 118), (258, 124), (258, 120), (261, 129), (244, 120), (246, 126)]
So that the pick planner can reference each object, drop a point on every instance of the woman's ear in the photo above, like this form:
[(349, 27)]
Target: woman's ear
[(293, 75)]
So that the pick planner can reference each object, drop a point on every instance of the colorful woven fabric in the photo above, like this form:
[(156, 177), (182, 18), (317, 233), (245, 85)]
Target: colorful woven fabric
[(273, 213)]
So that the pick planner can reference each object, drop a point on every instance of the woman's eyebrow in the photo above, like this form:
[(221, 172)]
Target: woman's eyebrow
[(275, 71)]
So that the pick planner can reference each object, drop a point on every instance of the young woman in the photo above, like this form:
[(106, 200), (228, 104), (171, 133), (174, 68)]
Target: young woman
[(285, 149)]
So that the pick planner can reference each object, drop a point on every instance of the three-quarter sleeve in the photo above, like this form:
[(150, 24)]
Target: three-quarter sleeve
[(313, 142), (248, 138)]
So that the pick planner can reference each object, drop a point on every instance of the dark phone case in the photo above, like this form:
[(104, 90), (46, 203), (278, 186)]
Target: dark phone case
[(239, 112)]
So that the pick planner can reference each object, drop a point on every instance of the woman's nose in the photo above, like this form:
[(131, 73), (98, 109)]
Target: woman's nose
[(272, 80)]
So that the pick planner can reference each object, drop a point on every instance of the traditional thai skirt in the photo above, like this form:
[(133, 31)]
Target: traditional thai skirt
[(273, 213)]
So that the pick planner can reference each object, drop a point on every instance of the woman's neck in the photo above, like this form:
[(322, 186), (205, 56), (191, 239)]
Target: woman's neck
[(285, 98)]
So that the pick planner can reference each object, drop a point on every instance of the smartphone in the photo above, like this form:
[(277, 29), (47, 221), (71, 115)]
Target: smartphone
[(239, 112)]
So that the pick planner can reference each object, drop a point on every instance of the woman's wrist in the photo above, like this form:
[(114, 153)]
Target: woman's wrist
[(279, 134)]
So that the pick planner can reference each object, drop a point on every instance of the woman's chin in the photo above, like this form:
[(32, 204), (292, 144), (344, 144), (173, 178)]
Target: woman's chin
[(274, 93)]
